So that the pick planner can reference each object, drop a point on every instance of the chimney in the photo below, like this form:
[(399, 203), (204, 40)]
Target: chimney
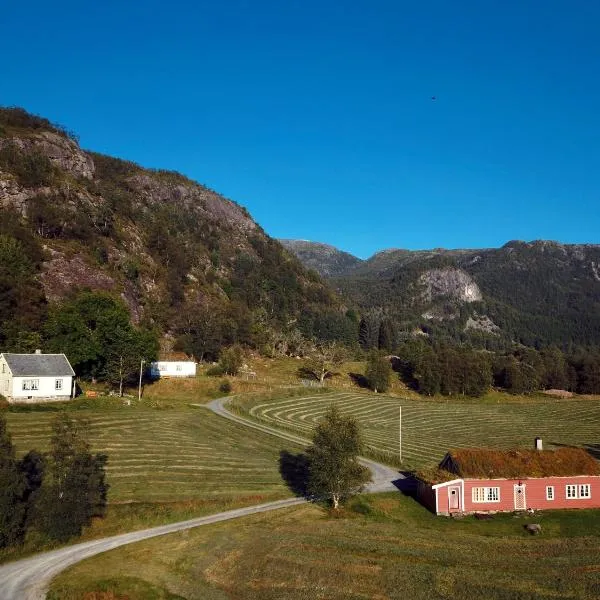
[(538, 443), (38, 351)]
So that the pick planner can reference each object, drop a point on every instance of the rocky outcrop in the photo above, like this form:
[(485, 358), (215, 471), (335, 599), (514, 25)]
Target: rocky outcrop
[(63, 152), (451, 283)]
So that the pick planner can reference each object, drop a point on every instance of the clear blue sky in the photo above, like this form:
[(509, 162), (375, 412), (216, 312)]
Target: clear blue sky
[(317, 116)]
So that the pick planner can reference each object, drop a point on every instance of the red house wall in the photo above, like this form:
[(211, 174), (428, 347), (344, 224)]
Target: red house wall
[(535, 493)]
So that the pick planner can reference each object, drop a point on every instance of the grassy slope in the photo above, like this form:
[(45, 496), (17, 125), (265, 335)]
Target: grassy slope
[(396, 550)]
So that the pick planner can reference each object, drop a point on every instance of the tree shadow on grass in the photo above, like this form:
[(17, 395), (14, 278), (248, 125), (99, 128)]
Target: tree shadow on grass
[(360, 380), (294, 469)]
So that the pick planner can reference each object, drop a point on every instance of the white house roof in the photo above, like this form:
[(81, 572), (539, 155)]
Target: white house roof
[(38, 365)]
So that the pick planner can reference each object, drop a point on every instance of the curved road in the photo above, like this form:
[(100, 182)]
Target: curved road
[(29, 579)]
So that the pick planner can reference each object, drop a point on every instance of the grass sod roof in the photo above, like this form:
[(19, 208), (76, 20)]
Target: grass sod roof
[(563, 462), (480, 463)]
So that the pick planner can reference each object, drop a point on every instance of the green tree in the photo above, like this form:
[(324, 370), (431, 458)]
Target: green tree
[(74, 489), (231, 360), (386, 336), (334, 470), (322, 360), (378, 372), (427, 373), (12, 489)]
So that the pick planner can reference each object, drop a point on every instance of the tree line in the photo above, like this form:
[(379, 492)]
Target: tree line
[(445, 369), (52, 496)]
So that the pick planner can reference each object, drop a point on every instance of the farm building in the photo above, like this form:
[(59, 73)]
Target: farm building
[(480, 480), (172, 368), (35, 377)]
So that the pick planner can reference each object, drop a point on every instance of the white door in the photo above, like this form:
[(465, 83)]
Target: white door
[(520, 499), (454, 498)]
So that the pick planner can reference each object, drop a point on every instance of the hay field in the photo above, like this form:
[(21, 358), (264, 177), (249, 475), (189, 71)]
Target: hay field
[(169, 455), (386, 547), (430, 428)]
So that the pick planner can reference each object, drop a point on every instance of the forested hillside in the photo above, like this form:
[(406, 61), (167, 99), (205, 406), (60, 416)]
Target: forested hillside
[(535, 293), (87, 240)]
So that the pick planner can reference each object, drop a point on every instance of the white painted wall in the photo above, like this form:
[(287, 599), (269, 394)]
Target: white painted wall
[(5, 379), (172, 368), (46, 388)]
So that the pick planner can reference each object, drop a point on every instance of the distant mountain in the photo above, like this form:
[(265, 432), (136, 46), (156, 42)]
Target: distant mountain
[(537, 292), (324, 259), (175, 251)]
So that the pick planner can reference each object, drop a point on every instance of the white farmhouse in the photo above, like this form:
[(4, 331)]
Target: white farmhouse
[(35, 377), (172, 368)]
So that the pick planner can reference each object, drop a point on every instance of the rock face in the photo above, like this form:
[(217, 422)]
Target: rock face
[(168, 246), (450, 283)]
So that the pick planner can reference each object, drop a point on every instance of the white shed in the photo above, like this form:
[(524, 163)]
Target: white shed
[(172, 368), (35, 377)]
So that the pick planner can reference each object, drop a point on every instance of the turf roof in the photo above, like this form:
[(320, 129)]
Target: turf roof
[(513, 464)]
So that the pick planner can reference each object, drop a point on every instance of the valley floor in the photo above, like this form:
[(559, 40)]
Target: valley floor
[(382, 547)]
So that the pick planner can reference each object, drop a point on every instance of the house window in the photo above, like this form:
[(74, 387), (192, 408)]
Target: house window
[(31, 384), (584, 491), (3, 368), (178, 368), (571, 492), (58, 384), (549, 492), (486, 494)]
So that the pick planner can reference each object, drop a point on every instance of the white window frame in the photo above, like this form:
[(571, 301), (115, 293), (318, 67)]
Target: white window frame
[(550, 492), (178, 368), (58, 385), (571, 491), (30, 385), (485, 495), (584, 491)]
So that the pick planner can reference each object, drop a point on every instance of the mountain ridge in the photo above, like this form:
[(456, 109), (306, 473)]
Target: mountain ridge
[(536, 292)]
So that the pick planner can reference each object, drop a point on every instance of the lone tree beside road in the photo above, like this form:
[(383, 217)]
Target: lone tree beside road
[(334, 470)]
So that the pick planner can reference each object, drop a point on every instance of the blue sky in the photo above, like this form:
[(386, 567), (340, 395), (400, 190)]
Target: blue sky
[(318, 117)]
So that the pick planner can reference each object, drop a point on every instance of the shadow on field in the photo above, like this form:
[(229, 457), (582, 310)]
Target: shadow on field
[(294, 471), (360, 380), (408, 484)]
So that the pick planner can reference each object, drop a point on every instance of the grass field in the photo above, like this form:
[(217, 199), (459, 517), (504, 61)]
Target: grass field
[(168, 455), (430, 428), (386, 547)]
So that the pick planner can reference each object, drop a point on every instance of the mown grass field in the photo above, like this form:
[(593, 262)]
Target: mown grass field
[(168, 455), (431, 427), (384, 547)]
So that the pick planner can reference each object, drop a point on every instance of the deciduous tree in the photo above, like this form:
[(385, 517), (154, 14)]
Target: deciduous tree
[(334, 470)]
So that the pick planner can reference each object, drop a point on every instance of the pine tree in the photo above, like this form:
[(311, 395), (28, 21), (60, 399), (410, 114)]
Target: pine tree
[(334, 470), (386, 336), (74, 490), (12, 488)]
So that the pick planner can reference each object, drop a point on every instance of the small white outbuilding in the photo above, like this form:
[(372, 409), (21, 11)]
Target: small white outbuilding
[(35, 377), (172, 368)]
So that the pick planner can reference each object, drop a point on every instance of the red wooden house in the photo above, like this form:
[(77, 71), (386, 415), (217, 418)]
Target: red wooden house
[(480, 480)]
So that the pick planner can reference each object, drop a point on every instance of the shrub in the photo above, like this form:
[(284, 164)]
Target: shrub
[(31, 168), (225, 386), (215, 371)]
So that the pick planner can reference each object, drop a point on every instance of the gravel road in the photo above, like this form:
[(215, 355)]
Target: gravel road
[(29, 579)]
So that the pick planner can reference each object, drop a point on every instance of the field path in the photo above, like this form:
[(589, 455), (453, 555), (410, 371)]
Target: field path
[(382, 477), (28, 579)]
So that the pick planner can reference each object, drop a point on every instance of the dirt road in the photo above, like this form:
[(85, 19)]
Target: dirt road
[(28, 579)]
